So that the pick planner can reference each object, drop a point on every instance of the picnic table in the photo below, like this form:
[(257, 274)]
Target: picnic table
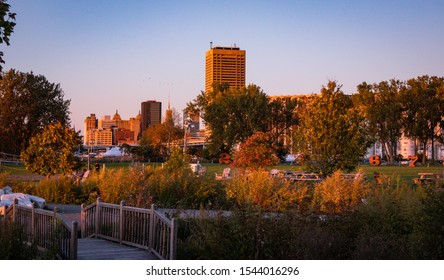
[(427, 178), (303, 176)]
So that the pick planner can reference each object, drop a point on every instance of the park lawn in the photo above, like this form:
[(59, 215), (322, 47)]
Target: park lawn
[(13, 168), (401, 174), (398, 173)]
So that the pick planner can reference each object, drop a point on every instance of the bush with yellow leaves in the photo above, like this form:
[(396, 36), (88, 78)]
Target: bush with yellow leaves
[(336, 194), (259, 190)]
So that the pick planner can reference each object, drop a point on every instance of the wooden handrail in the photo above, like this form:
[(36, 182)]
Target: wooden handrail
[(45, 229), (138, 227)]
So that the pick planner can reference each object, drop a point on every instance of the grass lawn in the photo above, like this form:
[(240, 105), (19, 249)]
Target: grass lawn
[(13, 168), (403, 173)]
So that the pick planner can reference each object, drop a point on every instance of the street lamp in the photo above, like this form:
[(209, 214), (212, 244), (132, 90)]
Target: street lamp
[(187, 124), (90, 147)]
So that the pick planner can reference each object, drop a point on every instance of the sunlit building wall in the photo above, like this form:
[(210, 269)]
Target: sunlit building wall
[(225, 65)]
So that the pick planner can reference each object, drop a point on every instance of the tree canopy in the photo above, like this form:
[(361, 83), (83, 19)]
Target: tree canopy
[(233, 115), (423, 100), (381, 105), (256, 152), (52, 151), (7, 23), (28, 102), (332, 134), (161, 136)]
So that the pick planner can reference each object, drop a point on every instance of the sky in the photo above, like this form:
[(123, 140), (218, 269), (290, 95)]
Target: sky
[(110, 55)]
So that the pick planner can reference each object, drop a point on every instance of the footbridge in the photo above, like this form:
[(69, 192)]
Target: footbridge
[(105, 231)]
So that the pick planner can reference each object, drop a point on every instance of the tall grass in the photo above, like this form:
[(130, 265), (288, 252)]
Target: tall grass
[(273, 219), (394, 223)]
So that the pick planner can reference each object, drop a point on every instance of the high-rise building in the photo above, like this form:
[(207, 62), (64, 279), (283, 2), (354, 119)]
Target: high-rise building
[(89, 123), (151, 112), (225, 65)]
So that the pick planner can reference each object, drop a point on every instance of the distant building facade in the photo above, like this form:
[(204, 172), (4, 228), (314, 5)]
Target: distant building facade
[(99, 137), (225, 65), (151, 114), (108, 131)]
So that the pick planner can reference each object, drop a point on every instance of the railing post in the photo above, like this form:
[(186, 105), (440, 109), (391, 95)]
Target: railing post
[(73, 241), (97, 223), (82, 220), (151, 231), (173, 239), (32, 222), (121, 221), (53, 226), (96, 230), (14, 209)]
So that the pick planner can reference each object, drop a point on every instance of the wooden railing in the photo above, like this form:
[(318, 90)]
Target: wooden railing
[(45, 229), (139, 227)]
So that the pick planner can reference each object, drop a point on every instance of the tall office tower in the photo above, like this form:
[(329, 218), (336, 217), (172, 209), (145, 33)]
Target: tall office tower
[(151, 112), (89, 124), (225, 65)]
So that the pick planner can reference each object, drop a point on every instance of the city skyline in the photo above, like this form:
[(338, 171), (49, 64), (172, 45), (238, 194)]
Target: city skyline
[(109, 55)]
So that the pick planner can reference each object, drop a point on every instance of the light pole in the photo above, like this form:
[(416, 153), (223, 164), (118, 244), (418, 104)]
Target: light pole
[(90, 147), (187, 124)]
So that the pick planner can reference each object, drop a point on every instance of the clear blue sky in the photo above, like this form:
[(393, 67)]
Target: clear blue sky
[(112, 55)]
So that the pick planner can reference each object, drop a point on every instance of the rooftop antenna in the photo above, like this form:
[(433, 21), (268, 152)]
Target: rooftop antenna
[(211, 44)]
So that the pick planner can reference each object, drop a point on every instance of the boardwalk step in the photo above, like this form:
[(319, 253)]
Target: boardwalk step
[(100, 249)]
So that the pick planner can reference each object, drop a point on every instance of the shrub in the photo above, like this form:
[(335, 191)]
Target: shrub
[(142, 186), (260, 191), (337, 195), (3, 178), (430, 228), (13, 243), (389, 223), (253, 235)]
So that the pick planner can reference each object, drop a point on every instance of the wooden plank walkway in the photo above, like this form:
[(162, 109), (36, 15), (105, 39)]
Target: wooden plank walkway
[(96, 248), (100, 249)]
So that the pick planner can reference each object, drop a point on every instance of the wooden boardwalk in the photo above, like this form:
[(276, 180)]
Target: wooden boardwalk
[(100, 249)]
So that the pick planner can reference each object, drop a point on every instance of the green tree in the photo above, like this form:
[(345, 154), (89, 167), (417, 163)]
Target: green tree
[(52, 151), (7, 23), (141, 152), (423, 99), (332, 134), (381, 106), (28, 102), (233, 115)]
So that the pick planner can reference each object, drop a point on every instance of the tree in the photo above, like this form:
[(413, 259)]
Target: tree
[(332, 134), (28, 102), (7, 23), (423, 99), (256, 152), (381, 106), (141, 152), (233, 115), (52, 151), (161, 136)]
